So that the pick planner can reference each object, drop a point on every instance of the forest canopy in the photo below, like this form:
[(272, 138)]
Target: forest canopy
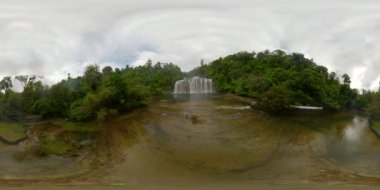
[(95, 95), (275, 79)]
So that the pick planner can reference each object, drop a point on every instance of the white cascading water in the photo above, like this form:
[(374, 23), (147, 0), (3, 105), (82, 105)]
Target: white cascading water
[(195, 85)]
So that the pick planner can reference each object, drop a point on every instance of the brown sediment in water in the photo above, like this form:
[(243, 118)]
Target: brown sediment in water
[(110, 149), (160, 146)]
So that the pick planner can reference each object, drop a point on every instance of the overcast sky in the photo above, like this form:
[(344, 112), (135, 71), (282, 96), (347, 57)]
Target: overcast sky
[(56, 37)]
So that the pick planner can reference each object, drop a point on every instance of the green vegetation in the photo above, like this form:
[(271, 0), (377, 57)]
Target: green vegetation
[(274, 78), (278, 80), (95, 95), (52, 146), (372, 101), (11, 131), (376, 125), (81, 105)]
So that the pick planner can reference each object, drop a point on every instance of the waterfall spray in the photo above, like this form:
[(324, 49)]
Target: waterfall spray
[(195, 85)]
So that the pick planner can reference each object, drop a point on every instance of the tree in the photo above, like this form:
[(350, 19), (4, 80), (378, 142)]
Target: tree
[(276, 99), (23, 79), (148, 63), (33, 91), (91, 78), (26, 79), (107, 70), (346, 79), (58, 99), (253, 75), (6, 84)]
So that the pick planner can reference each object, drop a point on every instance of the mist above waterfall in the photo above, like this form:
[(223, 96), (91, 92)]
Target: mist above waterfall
[(195, 85)]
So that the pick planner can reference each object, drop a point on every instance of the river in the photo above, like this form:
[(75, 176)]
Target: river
[(209, 142)]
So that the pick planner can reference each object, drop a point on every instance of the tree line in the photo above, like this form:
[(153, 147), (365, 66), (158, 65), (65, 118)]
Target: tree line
[(276, 79), (97, 94)]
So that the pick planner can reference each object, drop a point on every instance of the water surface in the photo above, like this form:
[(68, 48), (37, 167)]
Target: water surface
[(203, 140)]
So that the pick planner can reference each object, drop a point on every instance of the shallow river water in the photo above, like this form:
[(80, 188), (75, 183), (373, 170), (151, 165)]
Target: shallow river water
[(214, 143)]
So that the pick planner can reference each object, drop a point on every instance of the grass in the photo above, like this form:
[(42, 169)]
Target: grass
[(11, 131), (376, 126), (77, 127), (64, 143), (53, 146)]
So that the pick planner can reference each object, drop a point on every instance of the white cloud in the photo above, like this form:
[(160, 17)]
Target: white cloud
[(54, 37)]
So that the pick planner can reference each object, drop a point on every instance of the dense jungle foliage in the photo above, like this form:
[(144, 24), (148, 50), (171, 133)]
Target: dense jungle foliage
[(276, 79), (95, 95)]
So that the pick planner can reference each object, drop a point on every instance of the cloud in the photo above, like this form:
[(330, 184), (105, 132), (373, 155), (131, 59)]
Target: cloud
[(53, 38)]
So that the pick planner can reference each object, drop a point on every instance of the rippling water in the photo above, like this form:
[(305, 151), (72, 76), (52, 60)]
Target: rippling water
[(203, 139)]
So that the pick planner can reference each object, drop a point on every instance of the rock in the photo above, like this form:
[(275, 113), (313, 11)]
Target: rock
[(85, 142)]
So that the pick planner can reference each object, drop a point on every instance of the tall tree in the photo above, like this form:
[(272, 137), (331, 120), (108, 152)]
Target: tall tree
[(6, 83), (91, 78)]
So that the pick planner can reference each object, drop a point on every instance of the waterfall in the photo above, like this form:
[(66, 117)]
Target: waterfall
[(195, 85)]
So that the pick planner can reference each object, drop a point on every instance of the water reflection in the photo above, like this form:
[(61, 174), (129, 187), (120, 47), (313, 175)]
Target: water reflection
[(194, 97), (352, 146), (192, 137), (229, 137), (34, 167), (353, 132), (196, 133)]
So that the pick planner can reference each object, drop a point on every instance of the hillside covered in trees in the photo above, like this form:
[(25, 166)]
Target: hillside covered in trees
[(278, 80)]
